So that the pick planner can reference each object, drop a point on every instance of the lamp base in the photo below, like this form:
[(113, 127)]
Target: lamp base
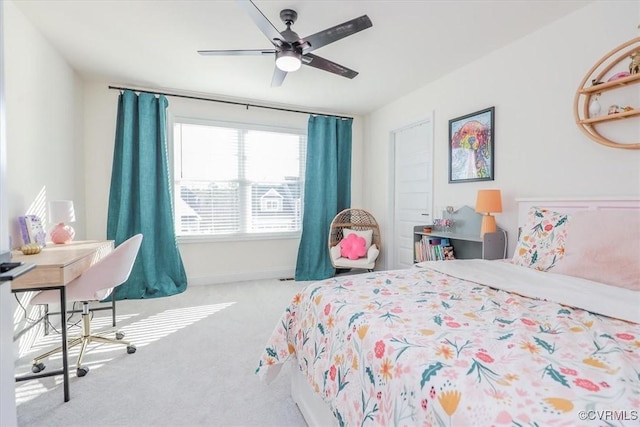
[(488, 224), (62, 234)]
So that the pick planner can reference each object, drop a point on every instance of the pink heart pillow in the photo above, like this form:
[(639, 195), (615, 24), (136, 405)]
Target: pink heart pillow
[(353, 246)]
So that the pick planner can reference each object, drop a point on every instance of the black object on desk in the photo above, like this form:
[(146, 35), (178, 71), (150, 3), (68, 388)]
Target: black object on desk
[(12, 270)]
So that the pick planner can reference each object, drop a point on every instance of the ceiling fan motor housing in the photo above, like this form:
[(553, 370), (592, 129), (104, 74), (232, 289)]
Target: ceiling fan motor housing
[(288, 16)]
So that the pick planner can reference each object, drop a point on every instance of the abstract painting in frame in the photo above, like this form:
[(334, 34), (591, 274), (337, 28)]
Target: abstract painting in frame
[(471, 142)]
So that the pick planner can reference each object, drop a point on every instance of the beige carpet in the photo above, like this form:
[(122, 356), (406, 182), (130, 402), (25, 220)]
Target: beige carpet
[(197, 353)]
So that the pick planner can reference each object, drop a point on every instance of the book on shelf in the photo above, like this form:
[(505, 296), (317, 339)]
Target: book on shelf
[(433, 249), (31, 230)]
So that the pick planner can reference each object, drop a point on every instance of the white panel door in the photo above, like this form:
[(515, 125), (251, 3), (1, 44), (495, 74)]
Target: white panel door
[(412, 187)]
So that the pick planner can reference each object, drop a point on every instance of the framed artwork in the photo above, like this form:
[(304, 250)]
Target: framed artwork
[(471, 141)]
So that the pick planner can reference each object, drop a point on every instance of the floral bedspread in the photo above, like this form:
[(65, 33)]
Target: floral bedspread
[(416, 347)]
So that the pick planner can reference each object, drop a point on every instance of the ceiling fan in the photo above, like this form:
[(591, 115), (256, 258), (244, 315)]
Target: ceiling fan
[(291, 51)]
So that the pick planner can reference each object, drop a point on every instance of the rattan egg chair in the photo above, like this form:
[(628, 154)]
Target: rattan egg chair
[(363, 224)]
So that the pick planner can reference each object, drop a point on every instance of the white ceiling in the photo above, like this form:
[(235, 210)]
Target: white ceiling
[(153, 44)]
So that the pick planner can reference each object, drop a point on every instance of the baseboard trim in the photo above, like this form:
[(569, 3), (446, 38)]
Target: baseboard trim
[(241, 277)]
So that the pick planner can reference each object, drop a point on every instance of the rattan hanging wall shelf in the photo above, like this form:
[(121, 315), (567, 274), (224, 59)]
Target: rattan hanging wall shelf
[(602, 78)]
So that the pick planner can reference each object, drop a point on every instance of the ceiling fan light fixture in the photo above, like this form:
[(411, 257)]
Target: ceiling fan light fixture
[(288, 60)]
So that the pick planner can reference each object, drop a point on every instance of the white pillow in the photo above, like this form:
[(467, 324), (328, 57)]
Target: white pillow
[(367, 234)]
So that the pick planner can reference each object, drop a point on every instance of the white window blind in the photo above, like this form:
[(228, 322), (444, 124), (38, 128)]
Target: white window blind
[(237, 180)]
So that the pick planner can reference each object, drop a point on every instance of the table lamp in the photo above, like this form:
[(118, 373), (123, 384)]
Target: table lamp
[(60, 213), (488, 201)]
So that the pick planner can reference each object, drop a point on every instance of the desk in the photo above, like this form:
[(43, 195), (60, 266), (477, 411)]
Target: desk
[(56, 267)]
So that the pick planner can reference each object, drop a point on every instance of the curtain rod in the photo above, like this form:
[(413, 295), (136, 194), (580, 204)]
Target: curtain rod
[(245, 104)]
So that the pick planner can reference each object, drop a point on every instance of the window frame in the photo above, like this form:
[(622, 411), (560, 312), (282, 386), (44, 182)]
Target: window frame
[(243, 236)]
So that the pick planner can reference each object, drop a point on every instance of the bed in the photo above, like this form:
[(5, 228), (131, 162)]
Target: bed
[(550, 337)]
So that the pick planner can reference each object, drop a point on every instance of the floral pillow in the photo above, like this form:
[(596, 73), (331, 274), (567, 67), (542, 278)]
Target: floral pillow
[(542, 239)]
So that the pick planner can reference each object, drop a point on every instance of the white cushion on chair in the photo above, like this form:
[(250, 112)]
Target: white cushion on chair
[(372, 253), (365, 263), (335, 252)]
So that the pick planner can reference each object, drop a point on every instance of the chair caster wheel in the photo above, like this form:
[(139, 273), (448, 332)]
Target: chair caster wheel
[(119, 335), (37, 367), (131, 349), (81, 372)]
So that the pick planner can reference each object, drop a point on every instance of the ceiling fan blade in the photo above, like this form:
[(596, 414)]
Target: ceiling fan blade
[(278, 77), (336, 33), (326, 65), (261, 21), (243, 52)]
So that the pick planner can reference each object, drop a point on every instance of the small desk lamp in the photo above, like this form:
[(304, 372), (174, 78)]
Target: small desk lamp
[(488, 201), (61, 212)]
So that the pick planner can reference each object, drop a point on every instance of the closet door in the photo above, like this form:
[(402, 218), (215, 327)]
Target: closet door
[(412, 187)]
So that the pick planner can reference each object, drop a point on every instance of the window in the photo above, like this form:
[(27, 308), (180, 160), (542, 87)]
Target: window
[(237, 180)]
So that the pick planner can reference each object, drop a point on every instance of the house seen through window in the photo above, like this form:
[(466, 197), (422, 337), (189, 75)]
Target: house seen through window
[(233, 181)]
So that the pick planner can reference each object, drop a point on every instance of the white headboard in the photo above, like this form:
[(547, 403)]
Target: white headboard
[(569, 205)]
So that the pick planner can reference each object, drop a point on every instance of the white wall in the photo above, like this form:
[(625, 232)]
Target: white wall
[(539, 149), (44, 122), (205, 262)]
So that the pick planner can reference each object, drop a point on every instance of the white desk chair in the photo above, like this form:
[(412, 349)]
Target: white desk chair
[(95, 284)]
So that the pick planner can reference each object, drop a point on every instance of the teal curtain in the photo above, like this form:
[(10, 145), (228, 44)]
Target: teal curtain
[(327, 191), (140, 198)]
